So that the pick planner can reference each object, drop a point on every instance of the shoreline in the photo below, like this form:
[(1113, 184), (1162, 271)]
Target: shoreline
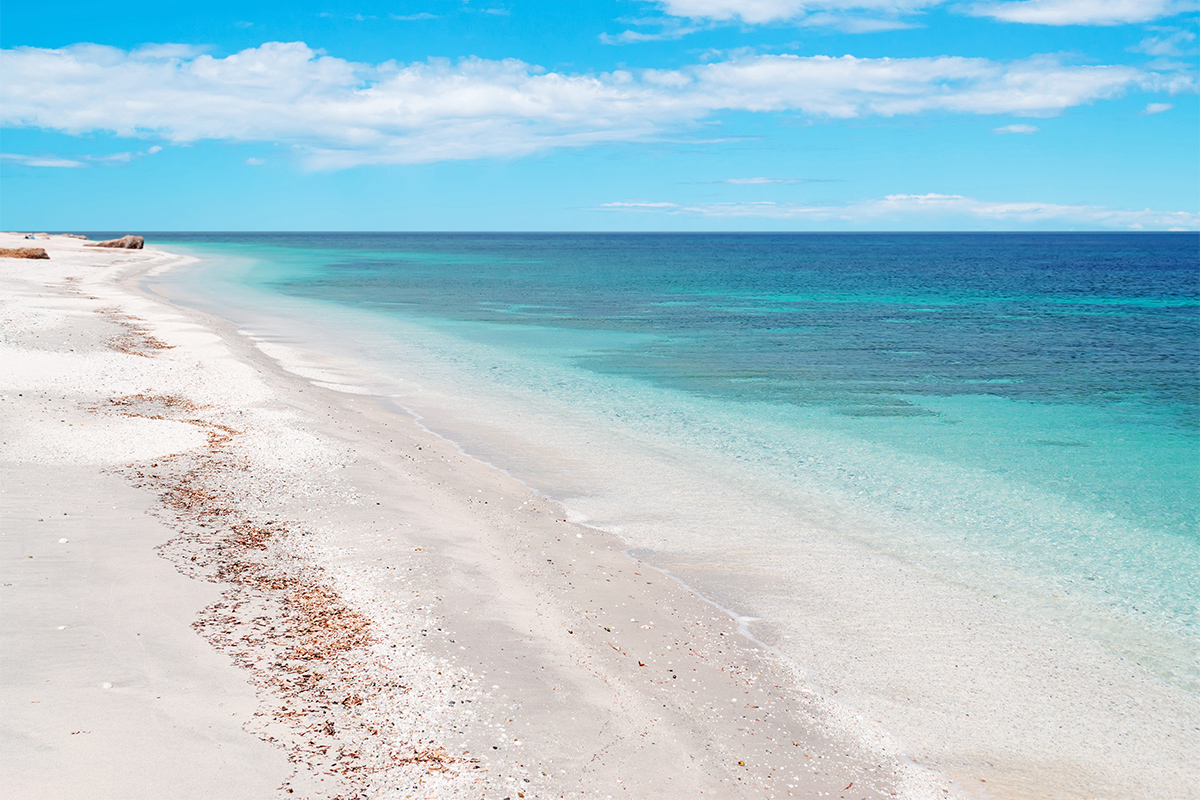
[(582, 677), (406, 531), (965, 676)]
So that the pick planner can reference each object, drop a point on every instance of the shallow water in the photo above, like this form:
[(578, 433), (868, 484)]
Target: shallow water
[(1013, 415)]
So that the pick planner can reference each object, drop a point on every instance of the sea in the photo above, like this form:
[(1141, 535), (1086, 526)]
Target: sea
[(883, 452)]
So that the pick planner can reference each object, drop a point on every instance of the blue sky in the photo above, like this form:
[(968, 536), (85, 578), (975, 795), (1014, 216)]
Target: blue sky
[(622, 115)]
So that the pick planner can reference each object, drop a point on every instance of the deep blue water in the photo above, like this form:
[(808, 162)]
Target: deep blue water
[(1036, 395)]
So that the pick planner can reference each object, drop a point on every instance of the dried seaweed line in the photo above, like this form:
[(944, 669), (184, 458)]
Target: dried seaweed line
[(137, 339), (279, 619)]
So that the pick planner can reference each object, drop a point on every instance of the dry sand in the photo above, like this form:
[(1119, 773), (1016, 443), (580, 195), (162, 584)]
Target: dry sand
[(224, 580)]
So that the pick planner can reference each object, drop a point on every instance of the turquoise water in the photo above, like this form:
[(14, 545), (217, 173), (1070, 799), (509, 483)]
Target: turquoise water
[(1015, 413)]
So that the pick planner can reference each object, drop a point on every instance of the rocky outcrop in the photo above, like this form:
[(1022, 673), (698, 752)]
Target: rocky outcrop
[(72, 236), (124, 243), (23, 252)]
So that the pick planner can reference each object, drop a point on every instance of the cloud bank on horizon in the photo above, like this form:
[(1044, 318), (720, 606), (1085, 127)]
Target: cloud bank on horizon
[(901, 207)]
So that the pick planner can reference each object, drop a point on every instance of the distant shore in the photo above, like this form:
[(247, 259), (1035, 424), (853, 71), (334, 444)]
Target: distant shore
[(375, 614)]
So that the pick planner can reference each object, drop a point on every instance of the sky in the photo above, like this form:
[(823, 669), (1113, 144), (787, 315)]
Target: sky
[(620, 115)]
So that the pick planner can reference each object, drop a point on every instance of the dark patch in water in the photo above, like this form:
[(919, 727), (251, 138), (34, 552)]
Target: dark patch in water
[(888, 411)]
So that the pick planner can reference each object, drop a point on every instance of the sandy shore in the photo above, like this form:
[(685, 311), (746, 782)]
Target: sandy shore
[(225, 580)]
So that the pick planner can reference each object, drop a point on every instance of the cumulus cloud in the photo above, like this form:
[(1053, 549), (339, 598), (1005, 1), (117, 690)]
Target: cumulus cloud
[(1018, 128), (339, 113), (912, 208)]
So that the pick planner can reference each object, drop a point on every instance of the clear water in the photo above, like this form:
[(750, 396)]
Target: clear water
[(1015, 413)]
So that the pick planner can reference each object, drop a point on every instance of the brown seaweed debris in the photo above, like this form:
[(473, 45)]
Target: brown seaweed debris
[(136, 340), (279, 617), (137, 405)]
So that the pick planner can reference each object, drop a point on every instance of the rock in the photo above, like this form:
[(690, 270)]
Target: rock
[(72, 236), (125, 243), (22, 252)]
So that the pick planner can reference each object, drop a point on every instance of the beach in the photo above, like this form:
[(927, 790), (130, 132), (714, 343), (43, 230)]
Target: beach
[(223, 579), (233, 568), (666, 399)]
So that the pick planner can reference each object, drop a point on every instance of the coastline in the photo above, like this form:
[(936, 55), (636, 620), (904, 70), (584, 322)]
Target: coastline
[(541, 664), (1008, 697), (534, 657)]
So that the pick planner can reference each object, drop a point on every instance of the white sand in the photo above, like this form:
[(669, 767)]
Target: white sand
[(107, 691), (405, 622)]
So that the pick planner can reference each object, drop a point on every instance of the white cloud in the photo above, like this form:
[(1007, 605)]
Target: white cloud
[(42, 161), (339, 113), (1174, 43), (757, 12), (842, 12), (855, 23), (109, 159), (1082, 12), (911, 209), (413, 17), (167, 51), (851, 16), (115, 158), (1156, 108), (634, 37), (256, 162), (1018, 128), (856, 87)]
